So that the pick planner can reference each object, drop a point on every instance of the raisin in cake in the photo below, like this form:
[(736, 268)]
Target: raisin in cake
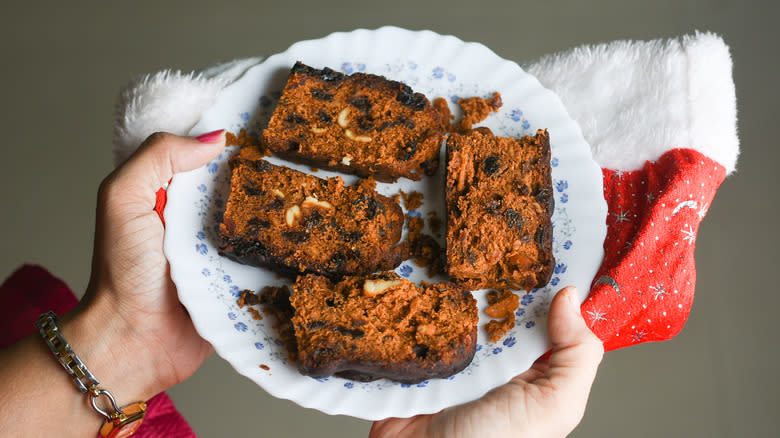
[(362, 124), (499, 207), (294, 222), (382, 326)]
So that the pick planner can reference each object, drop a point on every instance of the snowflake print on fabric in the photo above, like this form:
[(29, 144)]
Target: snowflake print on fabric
[(638, 336), (621, 216), (658, 291), (596, 316), (703, 210), (689, 234)]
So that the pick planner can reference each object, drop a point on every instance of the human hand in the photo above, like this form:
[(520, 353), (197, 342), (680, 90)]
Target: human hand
[(130, 316), (548, 400)]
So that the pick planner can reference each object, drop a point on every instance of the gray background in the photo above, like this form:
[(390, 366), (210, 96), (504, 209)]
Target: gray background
[(63, 64)]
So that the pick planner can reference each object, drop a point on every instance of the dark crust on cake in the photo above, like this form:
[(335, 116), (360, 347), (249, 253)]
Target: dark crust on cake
[(333, 340), (358, 235), (399, 130), (505, 186)]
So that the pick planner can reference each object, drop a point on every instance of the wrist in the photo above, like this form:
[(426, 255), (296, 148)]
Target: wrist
[(108, 346)]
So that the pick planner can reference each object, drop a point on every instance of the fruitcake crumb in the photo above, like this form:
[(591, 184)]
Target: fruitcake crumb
[(243, 139), (501, 305), (427, 253), (497, 328), (441, 107), (247, 297), (415, 226), (255, 313), (412, 201), (275, 302), (475, 110)]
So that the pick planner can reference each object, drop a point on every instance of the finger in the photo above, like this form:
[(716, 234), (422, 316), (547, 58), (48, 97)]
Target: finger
[(416, 426), (388, 427), (576, 351), (162, 154), (537, 371)]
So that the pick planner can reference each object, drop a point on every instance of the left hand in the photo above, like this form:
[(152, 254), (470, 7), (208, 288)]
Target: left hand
[(131, 300)]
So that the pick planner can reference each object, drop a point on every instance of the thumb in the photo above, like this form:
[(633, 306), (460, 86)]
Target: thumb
[(576, 351), (161, 155)]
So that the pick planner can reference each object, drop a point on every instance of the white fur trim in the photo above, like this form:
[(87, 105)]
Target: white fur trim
[(637, 100), (168, 101)]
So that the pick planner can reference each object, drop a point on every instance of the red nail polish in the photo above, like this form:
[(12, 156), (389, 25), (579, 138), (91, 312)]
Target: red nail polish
[(210, 137)]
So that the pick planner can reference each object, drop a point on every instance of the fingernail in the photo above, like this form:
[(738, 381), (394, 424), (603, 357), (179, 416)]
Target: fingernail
[(210, 137), (574, 300)]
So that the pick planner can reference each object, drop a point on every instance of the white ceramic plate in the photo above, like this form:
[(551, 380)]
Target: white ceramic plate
[(438, 66)]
